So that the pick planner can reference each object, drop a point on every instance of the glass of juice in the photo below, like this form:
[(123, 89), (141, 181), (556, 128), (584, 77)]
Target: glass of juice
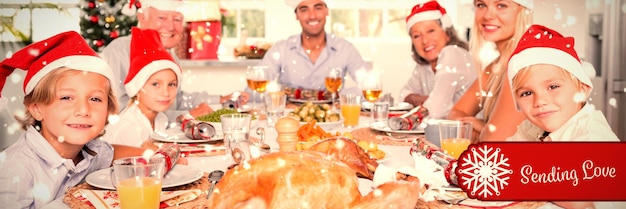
[(350, 109), (455, 137), (138, 181)]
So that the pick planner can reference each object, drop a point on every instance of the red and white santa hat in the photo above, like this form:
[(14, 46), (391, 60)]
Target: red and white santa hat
[(165, 5), (147, 56), (529, 4), (542, 45), (67, 49), (428, 11)]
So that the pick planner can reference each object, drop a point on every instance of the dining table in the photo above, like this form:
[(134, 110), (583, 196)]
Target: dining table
[(396, 146)]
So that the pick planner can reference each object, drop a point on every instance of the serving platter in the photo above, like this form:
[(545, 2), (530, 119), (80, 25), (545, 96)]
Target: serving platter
[(325, 101)]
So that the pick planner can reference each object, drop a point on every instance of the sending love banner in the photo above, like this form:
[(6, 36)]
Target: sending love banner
[(544, 171)]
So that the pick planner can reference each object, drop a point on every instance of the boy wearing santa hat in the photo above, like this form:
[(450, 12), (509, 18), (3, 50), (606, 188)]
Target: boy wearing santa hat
[(166, 17), (68, 98), (151, 83), (550, 86)]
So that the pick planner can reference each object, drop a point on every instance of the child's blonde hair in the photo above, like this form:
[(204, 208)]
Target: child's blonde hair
[(45, 92), (494, 83), (524, 74)]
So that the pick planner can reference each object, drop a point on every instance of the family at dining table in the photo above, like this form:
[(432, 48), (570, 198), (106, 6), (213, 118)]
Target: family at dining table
[(84, 109)]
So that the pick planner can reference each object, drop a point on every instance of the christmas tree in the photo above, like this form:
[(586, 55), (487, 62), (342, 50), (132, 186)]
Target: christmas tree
[(103, 21)]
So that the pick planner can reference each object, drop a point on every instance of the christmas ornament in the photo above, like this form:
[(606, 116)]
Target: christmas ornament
[(91, 5), (110, 19), (94, 19), (114, 34)]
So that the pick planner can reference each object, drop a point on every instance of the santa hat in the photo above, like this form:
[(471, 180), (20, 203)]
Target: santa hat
[(165, 5), (147, 56), (67, 49), (529, 4), (542, 45), (295, 3), (428, 11)]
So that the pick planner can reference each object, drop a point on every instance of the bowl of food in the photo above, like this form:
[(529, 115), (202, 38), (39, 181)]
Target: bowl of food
[(215, 120), (321, 114)]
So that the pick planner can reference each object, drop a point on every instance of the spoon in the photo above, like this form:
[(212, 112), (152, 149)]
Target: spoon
[(214, 177)]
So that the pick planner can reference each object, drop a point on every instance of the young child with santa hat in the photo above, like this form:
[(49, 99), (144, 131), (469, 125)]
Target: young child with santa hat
[(550, 86), (68, 98), (152, 83)]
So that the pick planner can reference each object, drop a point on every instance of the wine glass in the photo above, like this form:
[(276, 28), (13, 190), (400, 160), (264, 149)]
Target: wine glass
[(257, 79), (334, 82), (372, 87)]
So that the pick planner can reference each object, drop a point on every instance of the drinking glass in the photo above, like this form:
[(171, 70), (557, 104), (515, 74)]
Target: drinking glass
[(455, 137), (372, 87), (333, 83), (350, 109), (236, 129), (257, 79), (138, 181), (275, 103)]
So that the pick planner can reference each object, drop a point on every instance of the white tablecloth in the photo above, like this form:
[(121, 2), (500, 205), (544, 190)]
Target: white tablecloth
[(397, 156)]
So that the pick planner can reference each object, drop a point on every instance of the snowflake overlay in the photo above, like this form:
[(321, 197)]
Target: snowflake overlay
[(484, 171)]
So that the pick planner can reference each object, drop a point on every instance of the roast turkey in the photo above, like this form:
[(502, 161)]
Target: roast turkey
[(348, 152), (305, 179)]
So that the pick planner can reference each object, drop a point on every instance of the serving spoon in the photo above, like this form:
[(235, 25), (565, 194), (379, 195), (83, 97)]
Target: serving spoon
[(214, 177)]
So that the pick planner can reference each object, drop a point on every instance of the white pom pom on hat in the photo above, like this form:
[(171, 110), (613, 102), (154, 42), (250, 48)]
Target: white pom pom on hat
[(147, 56), (428, 11)]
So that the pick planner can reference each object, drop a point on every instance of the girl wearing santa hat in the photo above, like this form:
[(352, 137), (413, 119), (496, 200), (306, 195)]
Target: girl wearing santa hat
[(444, 69), (68, 98), (152, 83), (550, 86), (485, 104)]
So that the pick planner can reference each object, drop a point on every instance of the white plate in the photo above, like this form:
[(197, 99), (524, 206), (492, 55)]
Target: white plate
[(398, 107), (327, 125), (387, 156), (382, 126), (314, 101), (179, 175), (244, 108), (176, 135)]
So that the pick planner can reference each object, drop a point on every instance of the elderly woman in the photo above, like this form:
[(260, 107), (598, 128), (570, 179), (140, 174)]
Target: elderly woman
[(444, 67)]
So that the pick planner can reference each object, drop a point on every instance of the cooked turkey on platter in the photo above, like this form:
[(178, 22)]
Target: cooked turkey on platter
[(305, 179)]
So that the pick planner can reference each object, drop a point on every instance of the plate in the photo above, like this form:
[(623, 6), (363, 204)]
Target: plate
[(326, 125), (326, 101), (179, 175), (398, 107), (244, 108), (176, 135), (382, 126), (387, 156)]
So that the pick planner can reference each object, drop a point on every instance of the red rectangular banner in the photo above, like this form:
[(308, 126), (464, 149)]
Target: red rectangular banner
[(544, 171)]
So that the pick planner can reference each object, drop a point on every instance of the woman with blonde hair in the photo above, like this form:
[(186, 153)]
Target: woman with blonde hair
[(485, 104)]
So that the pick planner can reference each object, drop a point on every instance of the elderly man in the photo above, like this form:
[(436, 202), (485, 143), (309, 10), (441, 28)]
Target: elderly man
[(303, 61), (166, 17)]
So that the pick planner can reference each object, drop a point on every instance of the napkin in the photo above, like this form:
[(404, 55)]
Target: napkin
[(109, 199)]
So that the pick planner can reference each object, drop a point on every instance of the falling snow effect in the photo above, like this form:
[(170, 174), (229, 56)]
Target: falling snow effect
[(484, 171)]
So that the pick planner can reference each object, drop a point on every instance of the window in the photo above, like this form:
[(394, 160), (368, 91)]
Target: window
[(33, 20), (243, 15)]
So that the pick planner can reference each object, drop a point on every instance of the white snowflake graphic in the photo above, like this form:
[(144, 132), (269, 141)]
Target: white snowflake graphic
[(484, 171)]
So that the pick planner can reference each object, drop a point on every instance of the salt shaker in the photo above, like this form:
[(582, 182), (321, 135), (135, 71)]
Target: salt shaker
[(287, 129)]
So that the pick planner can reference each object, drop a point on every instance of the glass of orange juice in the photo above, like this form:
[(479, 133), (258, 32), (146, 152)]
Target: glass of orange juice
[(455, 137), (350, 109), (138, 181)]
